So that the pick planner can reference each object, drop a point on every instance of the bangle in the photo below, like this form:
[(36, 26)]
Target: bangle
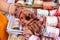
[(16, 11), (10, 8)]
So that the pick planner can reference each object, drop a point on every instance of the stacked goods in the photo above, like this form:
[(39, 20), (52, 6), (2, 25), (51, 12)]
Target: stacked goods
[(51, 21), (41, 12), (51, 32), (42, 25), (38, 3)]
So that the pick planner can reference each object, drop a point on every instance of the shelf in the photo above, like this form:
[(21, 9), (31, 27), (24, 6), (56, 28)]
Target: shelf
[(33, 6)]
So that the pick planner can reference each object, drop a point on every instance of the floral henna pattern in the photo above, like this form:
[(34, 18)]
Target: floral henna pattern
[(30, 20)]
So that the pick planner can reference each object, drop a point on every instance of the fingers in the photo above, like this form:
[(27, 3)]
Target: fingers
[(31, 29), (39, 30), (30, 19), (33, 15), (35, 27)]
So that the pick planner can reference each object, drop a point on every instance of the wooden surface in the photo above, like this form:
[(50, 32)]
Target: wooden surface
[(33, 6)]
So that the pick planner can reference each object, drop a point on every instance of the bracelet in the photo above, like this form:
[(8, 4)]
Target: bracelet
[(9, 10), (16, 11)]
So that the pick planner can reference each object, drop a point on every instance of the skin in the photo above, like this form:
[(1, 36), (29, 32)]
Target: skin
[(33, 23), (4, 6)]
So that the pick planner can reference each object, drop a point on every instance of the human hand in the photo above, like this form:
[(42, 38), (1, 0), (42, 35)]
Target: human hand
[(30, 20)]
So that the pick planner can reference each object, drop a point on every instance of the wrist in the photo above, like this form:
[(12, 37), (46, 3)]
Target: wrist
[(12, 9)]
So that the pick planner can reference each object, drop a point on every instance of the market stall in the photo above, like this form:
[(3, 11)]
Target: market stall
[(37, 20)]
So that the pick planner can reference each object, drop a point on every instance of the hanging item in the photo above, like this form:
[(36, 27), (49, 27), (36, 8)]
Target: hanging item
[(50, 31), (51, 21)]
